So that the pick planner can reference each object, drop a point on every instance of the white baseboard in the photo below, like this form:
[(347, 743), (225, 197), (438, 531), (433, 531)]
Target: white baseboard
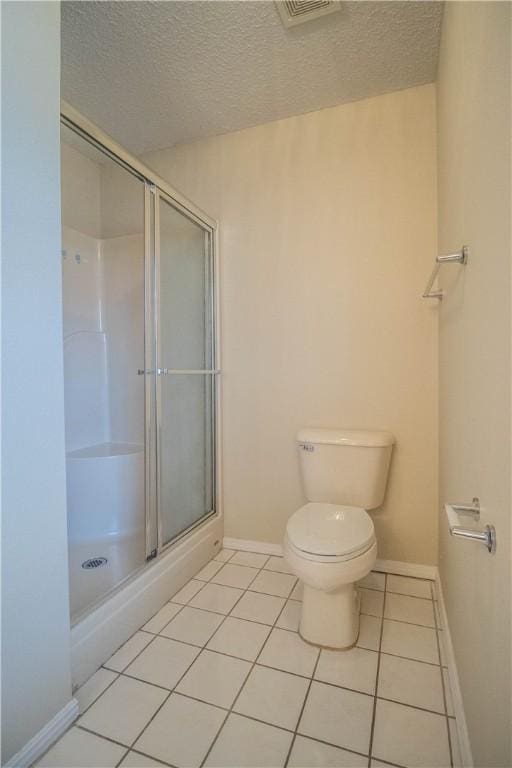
[(39, 743), (458, 707), (246, 545), (416, 570), (399, 568)]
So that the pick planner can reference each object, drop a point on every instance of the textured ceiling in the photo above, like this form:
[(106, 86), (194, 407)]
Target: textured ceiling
[(153, 74)]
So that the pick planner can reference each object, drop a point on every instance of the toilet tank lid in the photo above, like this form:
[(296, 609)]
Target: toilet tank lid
[(361, 437)]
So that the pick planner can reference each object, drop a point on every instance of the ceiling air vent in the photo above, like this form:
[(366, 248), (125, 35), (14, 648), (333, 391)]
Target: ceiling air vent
[(293, 12)]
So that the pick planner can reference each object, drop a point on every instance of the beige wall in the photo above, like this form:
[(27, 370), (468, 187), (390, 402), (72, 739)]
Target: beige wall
[(327, 236), (474, 208)]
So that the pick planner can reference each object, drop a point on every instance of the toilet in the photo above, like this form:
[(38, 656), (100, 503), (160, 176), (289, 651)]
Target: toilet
[(330, 542)]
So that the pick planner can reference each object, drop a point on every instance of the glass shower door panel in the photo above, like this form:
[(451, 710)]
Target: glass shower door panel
[(185, 390), (103, 281), (186, 460)]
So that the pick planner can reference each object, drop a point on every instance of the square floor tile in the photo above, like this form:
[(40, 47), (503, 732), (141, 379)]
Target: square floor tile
[(163, 662), (409, 736), (338, 716), (355, 668), (214, 678), (235, 576), (373, 580), (79, 749), (123, 710), (209, 570), (297, 591), (287, 651), (240, 638), (277, 564), (372, 602), (95, 685), (136, 760), (272, 583), (405, 585), (182, 732), (252, 559), (272, 696), (192, 625), (163, 617), (256, 607), (369, 632), (413, 610), (410, 641), (187, 592), (216, 598), (290, 616), (411, 682), (224, 555), (128, 651), (245, 743), (307, 753)]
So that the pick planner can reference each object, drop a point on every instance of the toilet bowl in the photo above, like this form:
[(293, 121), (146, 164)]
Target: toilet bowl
[(330, 547), (330, 542)]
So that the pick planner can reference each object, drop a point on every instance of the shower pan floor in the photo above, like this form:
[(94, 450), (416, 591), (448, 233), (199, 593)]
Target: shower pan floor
[(123, 554)]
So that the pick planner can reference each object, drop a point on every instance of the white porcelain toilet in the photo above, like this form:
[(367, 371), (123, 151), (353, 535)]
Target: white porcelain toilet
[(330, 541)]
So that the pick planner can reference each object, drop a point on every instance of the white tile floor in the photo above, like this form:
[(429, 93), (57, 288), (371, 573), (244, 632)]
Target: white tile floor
[(220, 677)]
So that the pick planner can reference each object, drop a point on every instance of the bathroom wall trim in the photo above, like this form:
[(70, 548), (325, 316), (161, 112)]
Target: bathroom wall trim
[(399, 568), (39, 743), (248, 545), (458, 706), (416, 570)]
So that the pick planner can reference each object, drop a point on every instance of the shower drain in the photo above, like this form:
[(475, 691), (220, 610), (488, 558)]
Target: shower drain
[(94, 562)]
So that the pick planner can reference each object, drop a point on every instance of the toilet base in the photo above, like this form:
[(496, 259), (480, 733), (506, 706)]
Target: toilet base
[(330, 619)]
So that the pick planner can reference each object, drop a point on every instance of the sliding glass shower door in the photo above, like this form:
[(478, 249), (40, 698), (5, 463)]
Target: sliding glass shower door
[(185, 381), (139, 360)]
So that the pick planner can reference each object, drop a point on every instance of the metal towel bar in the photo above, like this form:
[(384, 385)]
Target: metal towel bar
[(461, 257)]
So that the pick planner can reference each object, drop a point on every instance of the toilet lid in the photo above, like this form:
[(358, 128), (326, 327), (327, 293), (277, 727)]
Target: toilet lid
[(330, 529)]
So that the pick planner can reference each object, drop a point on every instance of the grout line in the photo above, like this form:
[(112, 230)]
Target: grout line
[(413, 706), (450, 748), (117, 675), (107, 738), (410, 658), (123, 757), (155, 614), (120, 671), (243, 684), (411, 623), (374, 712), (302, 708), (253, 664), (406, 594), (138, 752)]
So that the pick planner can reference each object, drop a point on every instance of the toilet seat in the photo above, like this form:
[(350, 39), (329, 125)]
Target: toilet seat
[(330, 532)]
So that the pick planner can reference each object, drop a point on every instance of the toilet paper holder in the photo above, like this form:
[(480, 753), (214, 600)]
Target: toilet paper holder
[(486, 537)]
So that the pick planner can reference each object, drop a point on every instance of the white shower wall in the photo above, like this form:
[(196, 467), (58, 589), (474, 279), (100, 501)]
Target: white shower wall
[(122, 302), (103, 288)]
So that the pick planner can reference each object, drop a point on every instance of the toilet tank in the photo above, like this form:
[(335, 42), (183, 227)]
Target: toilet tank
[(342, 466)]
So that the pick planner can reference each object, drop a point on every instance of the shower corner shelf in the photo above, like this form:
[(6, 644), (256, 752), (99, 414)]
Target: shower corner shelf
[(460, 257)]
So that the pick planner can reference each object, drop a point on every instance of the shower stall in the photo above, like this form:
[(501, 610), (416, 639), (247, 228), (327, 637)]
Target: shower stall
[(140, 365)]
